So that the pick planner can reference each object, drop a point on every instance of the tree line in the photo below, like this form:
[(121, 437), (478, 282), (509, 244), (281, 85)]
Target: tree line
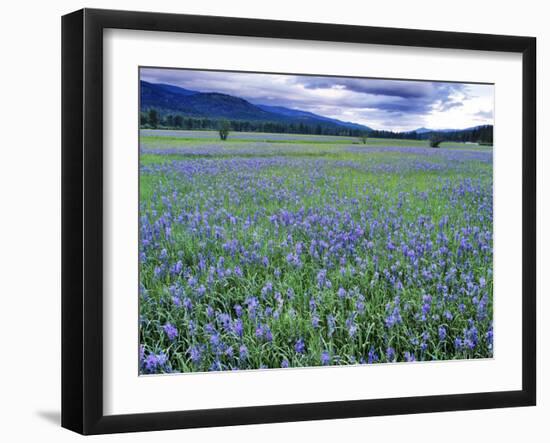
[(153, 120), (480, 134)]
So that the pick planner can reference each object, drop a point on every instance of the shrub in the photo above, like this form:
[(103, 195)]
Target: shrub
[(435, 141), (224, 130)]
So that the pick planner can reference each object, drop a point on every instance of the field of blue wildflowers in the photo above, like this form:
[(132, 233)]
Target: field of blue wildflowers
[(291, 253)]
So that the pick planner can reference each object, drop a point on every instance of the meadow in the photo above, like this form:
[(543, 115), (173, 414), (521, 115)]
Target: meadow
[(281, 250)]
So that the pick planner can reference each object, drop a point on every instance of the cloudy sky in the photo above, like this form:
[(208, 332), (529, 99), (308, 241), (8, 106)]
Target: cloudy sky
[(396, 105)]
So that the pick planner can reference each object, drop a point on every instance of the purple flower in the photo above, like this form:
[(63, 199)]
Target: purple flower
[(141, 353), (426, 306), (341, 293), (285, 363), (300, 346), (215, 339), (268, 288), (238, 327), (209, 328), (442, 331), (372, 356), (170, 331), (489, 336), (216, 366), (155, 362), (470, 337), (458, 343), (192, 327), (394, 316), (187, 303), (390, 354), (360, 305), (177, 268), (325, 358), (238, 310), (252, 304), (351, 326), (209, 311), (243, 352), (229, 351), (315, 321), (409, 356), (224, 320)]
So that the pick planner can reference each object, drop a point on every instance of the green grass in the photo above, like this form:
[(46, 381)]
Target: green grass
[(173, 141)]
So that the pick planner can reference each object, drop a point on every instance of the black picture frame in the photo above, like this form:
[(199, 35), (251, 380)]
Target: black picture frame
[(82, 218)]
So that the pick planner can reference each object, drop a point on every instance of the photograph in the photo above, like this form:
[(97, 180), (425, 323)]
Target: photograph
[(294, 221)]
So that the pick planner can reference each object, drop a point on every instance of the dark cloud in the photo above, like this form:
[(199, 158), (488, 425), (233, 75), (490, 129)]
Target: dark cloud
[(394, 95), (445, 106), (390, 88)]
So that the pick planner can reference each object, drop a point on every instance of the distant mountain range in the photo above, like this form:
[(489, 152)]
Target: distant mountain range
[(304, 115), (169, 99), (426, 130)]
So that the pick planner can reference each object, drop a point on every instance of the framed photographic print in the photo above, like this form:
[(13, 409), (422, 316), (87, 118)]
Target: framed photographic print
[(269, 221)]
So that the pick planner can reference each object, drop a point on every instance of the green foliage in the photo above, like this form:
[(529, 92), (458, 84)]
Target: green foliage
[(153, 118), (435, 140), (224, 130)]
